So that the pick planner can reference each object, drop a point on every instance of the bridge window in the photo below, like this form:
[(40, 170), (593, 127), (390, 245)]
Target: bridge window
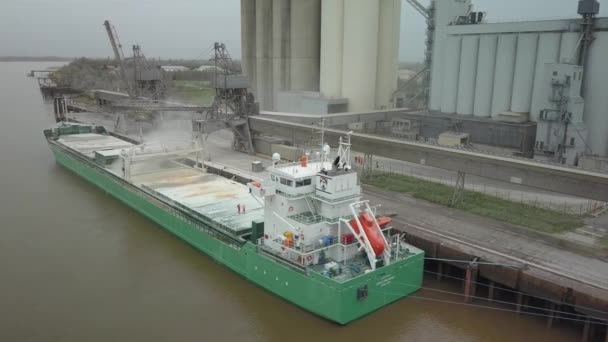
[(303, 182), (286, 181)]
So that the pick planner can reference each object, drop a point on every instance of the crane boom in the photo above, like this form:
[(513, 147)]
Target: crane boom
[(118, 55), (420, 8), (428, 14)]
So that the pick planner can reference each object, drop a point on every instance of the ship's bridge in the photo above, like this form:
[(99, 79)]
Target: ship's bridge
[(297, 179), (336, 185)]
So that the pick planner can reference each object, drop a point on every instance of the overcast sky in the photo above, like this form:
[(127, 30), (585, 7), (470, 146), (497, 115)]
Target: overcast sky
[(186, 28)]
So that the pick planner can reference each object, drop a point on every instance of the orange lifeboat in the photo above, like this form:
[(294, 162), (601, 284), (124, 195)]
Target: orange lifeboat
[(373, 234), (384, 221)]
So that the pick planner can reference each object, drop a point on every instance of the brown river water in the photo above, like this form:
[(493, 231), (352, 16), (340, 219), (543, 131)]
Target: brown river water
[(77, 265)]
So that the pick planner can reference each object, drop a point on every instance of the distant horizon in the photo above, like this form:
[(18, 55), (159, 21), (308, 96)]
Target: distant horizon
[(39, 57), (51, 58)]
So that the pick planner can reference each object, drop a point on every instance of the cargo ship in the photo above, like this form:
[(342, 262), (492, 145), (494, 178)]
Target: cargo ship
[(304, 233)]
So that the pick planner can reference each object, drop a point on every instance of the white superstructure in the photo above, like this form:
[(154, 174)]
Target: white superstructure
[(313, 211)]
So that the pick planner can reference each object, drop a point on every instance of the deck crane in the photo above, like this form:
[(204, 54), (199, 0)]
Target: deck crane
[(231, 106), (148, 78), (141, 79), (118, 54)]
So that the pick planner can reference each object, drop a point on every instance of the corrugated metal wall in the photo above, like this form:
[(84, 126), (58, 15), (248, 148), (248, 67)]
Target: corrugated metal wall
[(444, 14), (523, 79), (484, 83), (492, 73), (503, 74), (488, 73), (596, 95), (467, 75), (548, 52), (449, 93)]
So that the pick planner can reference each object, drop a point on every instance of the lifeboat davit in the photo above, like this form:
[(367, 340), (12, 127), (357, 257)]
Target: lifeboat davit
[(373, 233)]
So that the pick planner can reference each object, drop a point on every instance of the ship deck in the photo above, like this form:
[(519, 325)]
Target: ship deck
[(192, 189), (88, 143), (212, 196), (358, 265)]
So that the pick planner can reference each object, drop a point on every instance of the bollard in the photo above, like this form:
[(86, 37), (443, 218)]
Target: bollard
[(586, 330), (491, 291), (470, 282), (520, 300), (551, 314)]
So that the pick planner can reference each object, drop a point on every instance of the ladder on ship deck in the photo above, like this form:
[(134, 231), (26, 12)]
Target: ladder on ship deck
[(312, 206)]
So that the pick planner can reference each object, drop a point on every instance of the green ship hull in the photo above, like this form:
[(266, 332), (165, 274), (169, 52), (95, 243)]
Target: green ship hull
[(341, 302)]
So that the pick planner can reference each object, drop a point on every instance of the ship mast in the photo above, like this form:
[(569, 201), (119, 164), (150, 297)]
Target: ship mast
[(343, 161)]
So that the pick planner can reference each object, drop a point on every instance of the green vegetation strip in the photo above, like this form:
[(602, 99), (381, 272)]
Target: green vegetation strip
[(193, 92), (543, 220)]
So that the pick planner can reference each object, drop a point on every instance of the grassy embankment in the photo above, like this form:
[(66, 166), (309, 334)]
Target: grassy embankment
[(543, 220), (192, 92)]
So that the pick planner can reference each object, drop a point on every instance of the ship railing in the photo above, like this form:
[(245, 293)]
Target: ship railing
[(308, 218), (295, 258), (304, 256), (400, 250), (396, 241), (335, 220), (290, 196), (348, 198), (194, 219), (285, 262)]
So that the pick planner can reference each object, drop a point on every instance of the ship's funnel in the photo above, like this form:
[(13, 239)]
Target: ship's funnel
[(304, 161)]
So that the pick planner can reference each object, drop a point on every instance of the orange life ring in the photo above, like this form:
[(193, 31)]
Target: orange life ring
[(290, 209)]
